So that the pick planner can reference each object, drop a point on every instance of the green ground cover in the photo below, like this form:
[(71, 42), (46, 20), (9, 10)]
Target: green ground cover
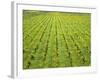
[(56, 39)]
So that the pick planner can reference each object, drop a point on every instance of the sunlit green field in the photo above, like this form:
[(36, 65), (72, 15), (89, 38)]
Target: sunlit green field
[(56, 39)]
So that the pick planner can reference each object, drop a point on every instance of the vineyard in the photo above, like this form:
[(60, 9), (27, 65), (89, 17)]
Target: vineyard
[(56, 39)]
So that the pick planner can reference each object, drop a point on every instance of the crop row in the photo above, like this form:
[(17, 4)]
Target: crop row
[(56, 40)]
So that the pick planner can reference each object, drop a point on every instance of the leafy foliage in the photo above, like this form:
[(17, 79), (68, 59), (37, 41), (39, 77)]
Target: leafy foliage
[(56, 39)]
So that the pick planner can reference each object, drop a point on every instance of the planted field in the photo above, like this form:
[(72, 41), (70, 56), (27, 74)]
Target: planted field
[(56, 39)]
